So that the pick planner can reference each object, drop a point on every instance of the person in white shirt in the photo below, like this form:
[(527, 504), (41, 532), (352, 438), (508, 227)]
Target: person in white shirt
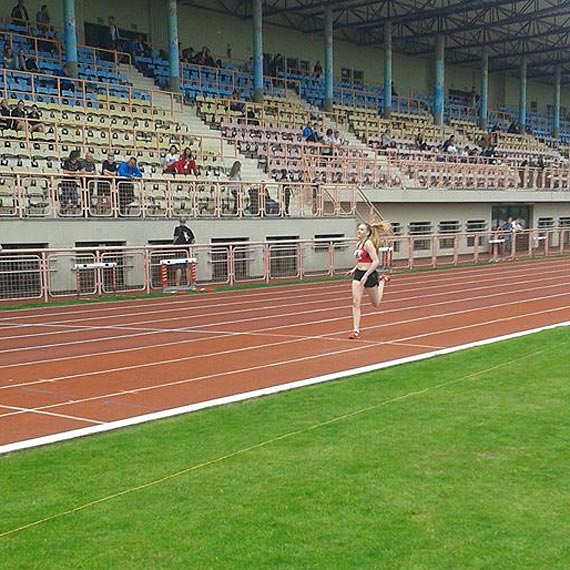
[(172, 156)]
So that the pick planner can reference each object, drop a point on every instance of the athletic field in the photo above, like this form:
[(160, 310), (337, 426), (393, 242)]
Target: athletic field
[(458, 462)]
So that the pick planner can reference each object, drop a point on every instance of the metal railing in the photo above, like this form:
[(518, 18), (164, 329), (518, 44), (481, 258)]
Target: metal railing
[(47, 274)]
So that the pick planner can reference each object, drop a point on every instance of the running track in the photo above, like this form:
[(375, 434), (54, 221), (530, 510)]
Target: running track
[(67, 368)]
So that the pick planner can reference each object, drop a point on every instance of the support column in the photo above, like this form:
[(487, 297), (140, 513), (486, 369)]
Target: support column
[(70, 36), (484, 100), (258, 51), (522, 96), (556, 104), (439, 80), (387, 69), (173, 51), (329, 92)]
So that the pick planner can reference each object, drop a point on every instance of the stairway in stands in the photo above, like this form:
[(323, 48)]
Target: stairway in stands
[(212, 138)]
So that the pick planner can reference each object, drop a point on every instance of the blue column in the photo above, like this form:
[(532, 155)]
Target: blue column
[(387, 69), (484, 97), (258, 51), (522, 96), (173, 51), (556, 105), (329, 93), (70, 36), (439, 80)]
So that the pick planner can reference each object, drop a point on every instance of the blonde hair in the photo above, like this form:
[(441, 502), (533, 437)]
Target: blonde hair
[(380, 233)]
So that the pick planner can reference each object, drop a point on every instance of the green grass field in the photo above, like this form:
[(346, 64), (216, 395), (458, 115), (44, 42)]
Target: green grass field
[(458, 462)]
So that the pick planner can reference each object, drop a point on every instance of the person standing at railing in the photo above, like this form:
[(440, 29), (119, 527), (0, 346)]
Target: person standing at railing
[(184, 236), (235, 176), (109, 171), (43, 21), (130, 170), (72, 167), (19, 13), (364, 274)]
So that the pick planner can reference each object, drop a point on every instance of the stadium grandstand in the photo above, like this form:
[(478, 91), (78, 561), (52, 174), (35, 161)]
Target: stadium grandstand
[(274, 127)]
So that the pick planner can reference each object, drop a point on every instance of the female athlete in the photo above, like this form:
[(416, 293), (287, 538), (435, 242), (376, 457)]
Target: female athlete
[(364, 273)]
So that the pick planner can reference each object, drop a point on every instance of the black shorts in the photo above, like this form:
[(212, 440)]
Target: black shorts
[(371, 281)]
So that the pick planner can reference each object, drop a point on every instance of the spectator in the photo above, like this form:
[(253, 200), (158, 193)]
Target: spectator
[(420, 141), (450, 145), (328, 142), (34, 120), (393, 90), (19, 13), (28, 62), (171, 158), (310, 134), (19, 114), (9, 59), (65, 82), (69, 198), (5, 115), (473, 98), (43, 21), (113, 38), (229, 51), (88, 164), (186, 164), (130, 170), (317, 70), (514, 129), (108, 170), (235, 175), (134, 47)]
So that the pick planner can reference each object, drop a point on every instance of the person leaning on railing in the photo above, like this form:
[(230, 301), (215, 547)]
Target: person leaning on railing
[(69, 197), (129, 170)]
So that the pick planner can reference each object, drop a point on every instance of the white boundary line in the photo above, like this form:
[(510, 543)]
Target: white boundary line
[(64, 436)]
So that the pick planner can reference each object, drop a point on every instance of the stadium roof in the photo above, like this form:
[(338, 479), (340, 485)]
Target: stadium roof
[(510, 29)]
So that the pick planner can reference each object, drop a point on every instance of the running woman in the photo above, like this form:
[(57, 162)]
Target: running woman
[(364, 274)]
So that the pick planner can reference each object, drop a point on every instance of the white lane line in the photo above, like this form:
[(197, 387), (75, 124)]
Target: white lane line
[(43, 412), (264, 331), (149, 332), (109, 426), (355, 347)]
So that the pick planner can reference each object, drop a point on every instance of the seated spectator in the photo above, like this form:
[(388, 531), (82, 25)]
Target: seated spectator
[(386, 140), (69, 197), (43, 21), (393, 89), (310, 134), (28, 62), (65, 83), (317, 70), (188, 55), (108, 170), (9, 59), (337, 139), (20, 115), (34, 120), (88, 164), (328, 142), (5, 115), (236, 103), (134, 47), (514, 129), (420, 141), (172, 156), (19, 13), (130, 170), (450, 145), (186, 164)]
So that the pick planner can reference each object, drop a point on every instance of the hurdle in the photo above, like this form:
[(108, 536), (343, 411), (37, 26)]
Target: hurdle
[(386, 259), (165, 263), (78, 267)]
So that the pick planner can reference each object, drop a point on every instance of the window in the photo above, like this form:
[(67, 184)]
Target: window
[(358, 76), (346, 74), (545, 223), (419, 229), (474, 226), (564, 222), (534, 106), (448, 227), (324, 245)]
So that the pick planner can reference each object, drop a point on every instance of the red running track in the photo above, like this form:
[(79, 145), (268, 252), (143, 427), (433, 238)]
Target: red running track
[(67, 368)]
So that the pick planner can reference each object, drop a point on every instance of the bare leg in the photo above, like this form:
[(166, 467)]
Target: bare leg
[(178, 276), (376, 293), (357, 291)]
